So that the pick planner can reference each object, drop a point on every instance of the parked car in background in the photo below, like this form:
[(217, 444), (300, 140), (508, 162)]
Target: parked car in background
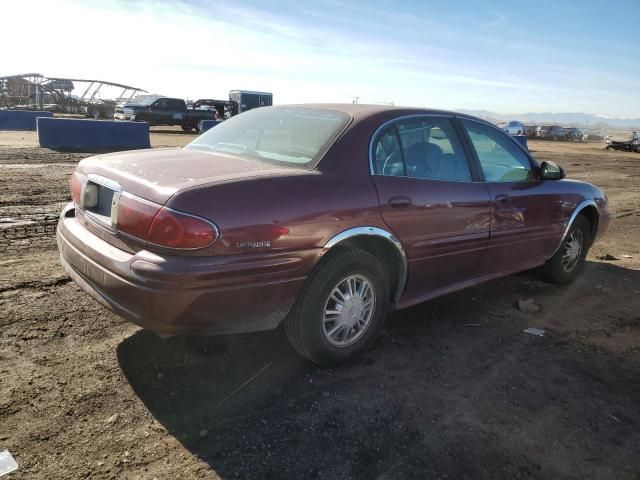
[(100, 109), (553, 132), (324, 217), (532, 131), (575, 135), (164, 111), (513, 128), (632, 145)]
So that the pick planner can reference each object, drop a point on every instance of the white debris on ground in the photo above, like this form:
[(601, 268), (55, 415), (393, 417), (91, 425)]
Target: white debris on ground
[(7, 463), (534, 331)]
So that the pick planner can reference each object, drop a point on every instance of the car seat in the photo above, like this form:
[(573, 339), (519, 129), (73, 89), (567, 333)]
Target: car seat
[(423, 160)]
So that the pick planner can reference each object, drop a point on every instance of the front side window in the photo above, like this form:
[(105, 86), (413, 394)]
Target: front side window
[(500, 158), (422, 147), (287, 136)]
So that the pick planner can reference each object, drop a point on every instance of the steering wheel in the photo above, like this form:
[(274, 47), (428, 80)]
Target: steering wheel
[(388, 160)]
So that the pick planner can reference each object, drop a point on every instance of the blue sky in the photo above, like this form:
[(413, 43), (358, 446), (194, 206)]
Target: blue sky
[(509, 57)]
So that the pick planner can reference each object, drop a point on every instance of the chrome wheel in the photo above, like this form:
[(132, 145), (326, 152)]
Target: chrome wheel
[(348, 310), (572, 250)]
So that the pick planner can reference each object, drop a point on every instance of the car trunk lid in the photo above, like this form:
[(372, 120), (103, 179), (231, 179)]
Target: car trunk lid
[(150, 176), (156, 175)]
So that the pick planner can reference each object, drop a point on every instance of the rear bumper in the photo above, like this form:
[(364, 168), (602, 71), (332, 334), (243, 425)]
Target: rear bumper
[(184, 294)]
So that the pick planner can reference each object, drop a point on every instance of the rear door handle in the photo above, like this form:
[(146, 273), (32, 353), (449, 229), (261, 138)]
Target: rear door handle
[(502, 198), (400, 202)]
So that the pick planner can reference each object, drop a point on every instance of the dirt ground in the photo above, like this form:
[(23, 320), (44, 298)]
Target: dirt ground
[(453, 389)]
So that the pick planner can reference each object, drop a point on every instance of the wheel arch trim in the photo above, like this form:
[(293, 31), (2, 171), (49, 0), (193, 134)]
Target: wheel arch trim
[(581, 206), (379, 233)]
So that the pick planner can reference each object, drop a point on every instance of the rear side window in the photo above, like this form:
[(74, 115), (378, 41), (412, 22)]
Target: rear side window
[(175, 104), (388, 154), (501, 159), (422, 147)]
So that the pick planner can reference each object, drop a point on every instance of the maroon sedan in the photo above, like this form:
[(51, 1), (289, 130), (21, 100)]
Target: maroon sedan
[(325, 217)]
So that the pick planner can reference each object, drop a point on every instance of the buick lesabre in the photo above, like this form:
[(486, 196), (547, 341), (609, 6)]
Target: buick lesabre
[(324, 217)]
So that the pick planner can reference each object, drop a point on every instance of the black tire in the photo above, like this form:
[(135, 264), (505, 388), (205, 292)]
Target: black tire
[(187, 128), (305, 324), (555, 270)]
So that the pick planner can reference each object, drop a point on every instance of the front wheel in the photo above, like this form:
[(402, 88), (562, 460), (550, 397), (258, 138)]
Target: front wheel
[(342, 308), (566, 263)]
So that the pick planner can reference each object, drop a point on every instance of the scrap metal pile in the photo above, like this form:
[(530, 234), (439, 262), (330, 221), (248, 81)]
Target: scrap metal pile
[(34, 91)]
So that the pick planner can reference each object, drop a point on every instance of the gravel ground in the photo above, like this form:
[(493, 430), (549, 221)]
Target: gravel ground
[(453, 389)]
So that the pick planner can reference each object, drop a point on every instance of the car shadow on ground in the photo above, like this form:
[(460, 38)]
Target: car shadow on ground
[(190, 383), (453, 388)]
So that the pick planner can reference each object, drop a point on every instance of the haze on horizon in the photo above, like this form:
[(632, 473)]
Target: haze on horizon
[(506, 57)]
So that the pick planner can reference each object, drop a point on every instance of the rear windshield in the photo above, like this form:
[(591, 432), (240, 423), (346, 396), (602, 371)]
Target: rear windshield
[(288, 136)]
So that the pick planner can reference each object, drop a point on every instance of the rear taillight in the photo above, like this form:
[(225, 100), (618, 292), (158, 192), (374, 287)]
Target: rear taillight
[(135, 216), (77, 180), (162, 226), (173, 229)]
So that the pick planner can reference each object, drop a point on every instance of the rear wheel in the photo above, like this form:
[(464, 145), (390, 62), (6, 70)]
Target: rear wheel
[(342, 308), (567, 262), (187, 128)]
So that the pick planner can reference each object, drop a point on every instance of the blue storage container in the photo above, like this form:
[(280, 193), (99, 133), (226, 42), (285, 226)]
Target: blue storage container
[(77, 135), (522, 140), (207, 124), (20, 119)]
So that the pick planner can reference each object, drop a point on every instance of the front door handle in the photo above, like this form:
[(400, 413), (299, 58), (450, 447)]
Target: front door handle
[(400, 202), (502, 198)]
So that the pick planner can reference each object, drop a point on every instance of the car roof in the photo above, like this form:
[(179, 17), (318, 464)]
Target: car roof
[(360, 111)]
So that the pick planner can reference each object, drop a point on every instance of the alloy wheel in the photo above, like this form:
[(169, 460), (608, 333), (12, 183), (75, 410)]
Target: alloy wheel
[(572, 251), (348, 311)]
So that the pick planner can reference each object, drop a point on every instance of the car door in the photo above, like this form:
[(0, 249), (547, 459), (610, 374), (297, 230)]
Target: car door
[(159, 111), (429, 198), (176, 111), (527, 214)]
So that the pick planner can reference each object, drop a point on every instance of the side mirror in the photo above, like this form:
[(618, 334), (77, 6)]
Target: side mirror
[(551, 171)]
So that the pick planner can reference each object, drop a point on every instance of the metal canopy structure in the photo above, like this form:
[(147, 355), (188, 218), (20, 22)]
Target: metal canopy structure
[(38, 92)]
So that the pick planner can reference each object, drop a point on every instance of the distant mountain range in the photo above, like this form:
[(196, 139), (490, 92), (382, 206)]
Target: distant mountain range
[(566, 119)]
